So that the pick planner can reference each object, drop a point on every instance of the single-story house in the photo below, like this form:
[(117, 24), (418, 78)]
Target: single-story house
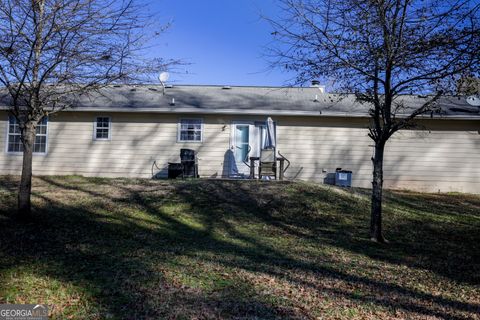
[(123, 130)]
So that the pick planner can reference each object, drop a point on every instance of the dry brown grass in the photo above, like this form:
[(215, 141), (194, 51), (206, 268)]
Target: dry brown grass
[(125, 249)]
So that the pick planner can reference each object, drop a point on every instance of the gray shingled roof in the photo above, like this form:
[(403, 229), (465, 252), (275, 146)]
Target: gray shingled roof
[(249, 100)]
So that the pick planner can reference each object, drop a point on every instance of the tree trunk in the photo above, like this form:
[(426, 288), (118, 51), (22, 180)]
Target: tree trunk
[(24, 193), (377, 189)]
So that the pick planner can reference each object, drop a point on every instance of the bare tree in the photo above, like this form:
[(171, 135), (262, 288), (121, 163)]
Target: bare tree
[(379, 50), (53, 51), (468, 85)]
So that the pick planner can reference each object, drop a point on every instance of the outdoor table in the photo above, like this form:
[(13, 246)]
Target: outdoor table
[(279, 172)]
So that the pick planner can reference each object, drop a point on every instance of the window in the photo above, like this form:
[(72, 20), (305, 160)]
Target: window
[(190, 130), (14, 143), (102, 128)]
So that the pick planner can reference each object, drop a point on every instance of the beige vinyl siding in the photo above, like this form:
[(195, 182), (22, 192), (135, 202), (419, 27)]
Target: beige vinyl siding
[(136, 141), (443, 156), (317, 146), (441, 159)]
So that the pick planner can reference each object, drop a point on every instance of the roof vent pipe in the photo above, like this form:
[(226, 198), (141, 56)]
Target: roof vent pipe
[(316, 84)]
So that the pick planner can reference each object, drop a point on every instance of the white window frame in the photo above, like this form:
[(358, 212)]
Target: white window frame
[(179, 130), (7, 134), (109, 128)]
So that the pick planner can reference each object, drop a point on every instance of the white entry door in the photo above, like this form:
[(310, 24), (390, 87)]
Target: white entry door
[(243, 146)]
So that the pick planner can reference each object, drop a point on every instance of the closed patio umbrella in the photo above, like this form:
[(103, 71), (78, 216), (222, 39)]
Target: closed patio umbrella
[(267, 167), (271, 139)]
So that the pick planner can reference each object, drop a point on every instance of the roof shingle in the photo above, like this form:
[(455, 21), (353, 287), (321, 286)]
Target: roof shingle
[(250, 100)]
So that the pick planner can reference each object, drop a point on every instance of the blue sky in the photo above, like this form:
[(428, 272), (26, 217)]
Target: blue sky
[(223, 40)]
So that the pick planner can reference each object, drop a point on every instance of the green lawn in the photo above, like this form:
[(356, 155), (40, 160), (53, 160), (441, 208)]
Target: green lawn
[(126, 249)]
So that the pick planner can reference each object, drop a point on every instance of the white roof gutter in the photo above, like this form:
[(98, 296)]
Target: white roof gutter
[(254, 112), (261, 112)]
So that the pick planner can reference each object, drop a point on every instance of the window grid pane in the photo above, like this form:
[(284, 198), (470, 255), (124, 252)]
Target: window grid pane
[(102, 129), (191, 130), (15, 141), (102, 133), (40, 144), (41, 130)]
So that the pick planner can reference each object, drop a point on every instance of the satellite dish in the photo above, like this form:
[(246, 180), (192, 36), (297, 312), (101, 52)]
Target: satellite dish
[(163, 77), (474, 100)]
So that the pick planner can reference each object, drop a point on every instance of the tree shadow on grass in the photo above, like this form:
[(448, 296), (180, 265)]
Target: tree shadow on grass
[(424, 235), (331, 219), (119, 259), (146, 249)]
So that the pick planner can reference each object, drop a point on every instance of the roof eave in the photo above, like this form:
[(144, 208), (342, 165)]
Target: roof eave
[(255, 112), (263, 112)]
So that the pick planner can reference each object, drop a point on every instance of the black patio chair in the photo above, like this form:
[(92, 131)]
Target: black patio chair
[(188, 158)]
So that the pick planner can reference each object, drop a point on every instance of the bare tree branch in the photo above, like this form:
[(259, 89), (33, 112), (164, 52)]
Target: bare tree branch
[(54, 51), (380, 50)]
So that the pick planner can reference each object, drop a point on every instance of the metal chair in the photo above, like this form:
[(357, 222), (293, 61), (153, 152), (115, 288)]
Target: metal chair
[(267, 164)]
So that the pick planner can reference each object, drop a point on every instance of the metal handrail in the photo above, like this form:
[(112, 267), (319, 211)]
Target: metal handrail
[(245, 160), (288, 161)]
